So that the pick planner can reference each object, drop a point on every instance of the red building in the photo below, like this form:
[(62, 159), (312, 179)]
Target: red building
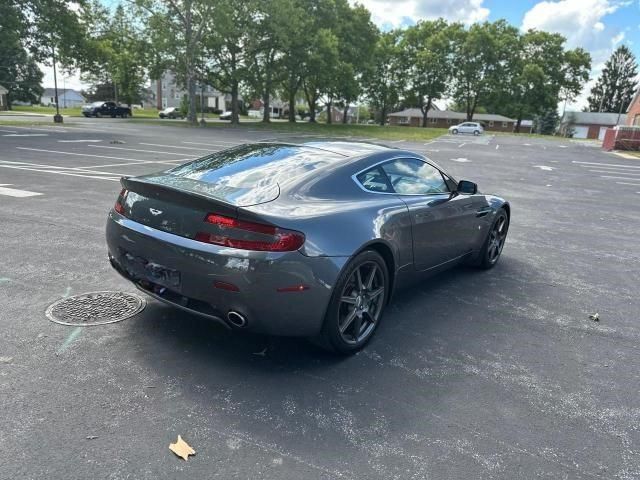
[(633, 112)]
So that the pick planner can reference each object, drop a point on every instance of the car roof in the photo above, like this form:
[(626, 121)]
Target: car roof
[(344, 148)]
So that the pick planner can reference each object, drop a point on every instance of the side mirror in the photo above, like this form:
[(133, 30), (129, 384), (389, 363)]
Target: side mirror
[(466, 187)]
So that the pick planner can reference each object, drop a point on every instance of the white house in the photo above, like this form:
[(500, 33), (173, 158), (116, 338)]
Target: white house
[(67, 98)]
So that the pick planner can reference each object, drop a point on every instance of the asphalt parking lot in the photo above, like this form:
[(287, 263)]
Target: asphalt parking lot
[(496, 374)]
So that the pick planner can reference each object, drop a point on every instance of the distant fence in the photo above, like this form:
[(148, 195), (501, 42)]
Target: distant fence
[(622, 138)]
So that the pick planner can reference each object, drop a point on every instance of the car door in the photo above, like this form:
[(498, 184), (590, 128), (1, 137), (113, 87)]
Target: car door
[(467, 127), (442, 222)]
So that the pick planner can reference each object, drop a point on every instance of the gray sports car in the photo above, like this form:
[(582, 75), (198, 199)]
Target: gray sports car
[(302, 239)]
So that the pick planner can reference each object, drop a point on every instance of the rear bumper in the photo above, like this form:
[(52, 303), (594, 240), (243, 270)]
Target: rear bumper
[(257, 275)]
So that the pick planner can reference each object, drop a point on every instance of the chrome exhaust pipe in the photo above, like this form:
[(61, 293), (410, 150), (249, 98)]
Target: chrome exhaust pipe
[(236, 319)]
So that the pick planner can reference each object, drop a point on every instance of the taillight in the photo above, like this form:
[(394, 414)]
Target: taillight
[(282, 240), (119, 207)]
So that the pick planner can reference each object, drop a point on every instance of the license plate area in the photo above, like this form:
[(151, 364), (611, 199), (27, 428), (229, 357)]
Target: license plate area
[(152, 271)]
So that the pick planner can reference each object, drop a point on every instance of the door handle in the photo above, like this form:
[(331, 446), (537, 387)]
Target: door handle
[(483, 212)]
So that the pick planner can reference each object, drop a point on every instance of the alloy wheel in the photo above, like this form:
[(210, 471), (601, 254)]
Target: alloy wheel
[(497, 238), (361, 303)]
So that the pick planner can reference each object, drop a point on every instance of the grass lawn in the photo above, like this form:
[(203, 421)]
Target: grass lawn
[(322, 129), (76, 111)]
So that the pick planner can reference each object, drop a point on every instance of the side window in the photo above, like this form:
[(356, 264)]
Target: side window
[(414, 177), (375, 180)]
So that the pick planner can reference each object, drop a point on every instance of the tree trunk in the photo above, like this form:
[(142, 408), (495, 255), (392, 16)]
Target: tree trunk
[(345, 112), (312, 109), (235, 119), (266, 106), (383, 115), (518, 122), (425, 112), (329, 112), (292, 106), (192, 116), (159, 93), (472, 111)]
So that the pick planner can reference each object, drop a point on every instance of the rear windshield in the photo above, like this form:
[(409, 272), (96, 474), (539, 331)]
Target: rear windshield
[(255, 165)]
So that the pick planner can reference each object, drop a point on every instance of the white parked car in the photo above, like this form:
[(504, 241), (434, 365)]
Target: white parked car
[(467, 127)]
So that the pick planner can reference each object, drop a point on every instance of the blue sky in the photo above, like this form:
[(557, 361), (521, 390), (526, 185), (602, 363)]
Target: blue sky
[(599, 26)]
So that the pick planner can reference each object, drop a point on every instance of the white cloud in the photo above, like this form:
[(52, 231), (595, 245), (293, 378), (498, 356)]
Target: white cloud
[(395, 13), (580, 21), (583, 23)]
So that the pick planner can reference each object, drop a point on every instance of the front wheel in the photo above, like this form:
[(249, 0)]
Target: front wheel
[(357, 304), (454, 131), (493, 245), (98, 115)]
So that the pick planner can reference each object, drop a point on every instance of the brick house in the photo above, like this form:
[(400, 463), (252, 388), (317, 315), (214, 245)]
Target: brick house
[(633, 112), (167, 92), (446, 118), (591, 125)]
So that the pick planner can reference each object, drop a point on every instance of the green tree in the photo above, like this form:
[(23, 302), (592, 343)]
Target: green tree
[(385, 78), (427, 56), (19, 73), (121, 53), (547, 123), (481, 56), (268, 32), (225, 48), (575, 73), (357, 39), (617, 84), (181, 26), (294, 49), (319, 71)]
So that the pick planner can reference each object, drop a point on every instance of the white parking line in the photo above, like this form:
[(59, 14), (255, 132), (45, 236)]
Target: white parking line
[(14, 192), (624, 172), (616, 178), (497, 147), (625, 183), (219, 143), (57, 167), (8, 131), (461, 145), (606, 164), (50, 129), (147, 151), (59, 172), (26, 135), (79, 154), (79, 141), (175, 146)]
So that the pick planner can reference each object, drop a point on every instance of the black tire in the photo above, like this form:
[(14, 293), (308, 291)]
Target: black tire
[(454, 131), (489, 257), (365, 306), (98, 115), (476, 132)]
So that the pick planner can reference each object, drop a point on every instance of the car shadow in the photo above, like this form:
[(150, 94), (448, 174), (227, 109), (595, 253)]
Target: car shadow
[(412, 317)]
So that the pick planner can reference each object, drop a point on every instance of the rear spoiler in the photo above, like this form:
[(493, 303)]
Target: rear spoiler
[(178, 196)]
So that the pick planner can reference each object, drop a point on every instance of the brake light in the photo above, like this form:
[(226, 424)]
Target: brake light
[(119, 207), (283, 240)]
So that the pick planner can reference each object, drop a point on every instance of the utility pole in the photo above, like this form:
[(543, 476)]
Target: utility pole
[(57, 118)]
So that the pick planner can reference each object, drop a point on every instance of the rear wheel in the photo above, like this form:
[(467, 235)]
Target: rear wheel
[(357, 304), (494, 243), (476, 132)]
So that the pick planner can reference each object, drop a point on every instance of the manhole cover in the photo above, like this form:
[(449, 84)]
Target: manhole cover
[(95, 308)]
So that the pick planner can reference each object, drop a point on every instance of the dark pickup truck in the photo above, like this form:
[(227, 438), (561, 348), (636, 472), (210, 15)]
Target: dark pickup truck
[(106, 109)]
